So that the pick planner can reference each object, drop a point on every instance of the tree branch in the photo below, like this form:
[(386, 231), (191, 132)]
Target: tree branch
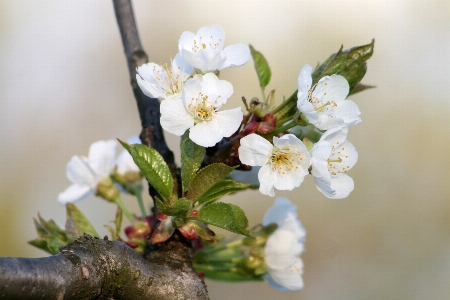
[(152, 134), (91, 268)]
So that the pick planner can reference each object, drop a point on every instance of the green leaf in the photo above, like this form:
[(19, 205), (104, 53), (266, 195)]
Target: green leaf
[(191, 159), (225, 215), (80, 220), (350, 63), (179, 208), (206, 178), (262, 67), (153, 167), (43, 245), (41, 230), (53, 229), (221, 189), (51, 236)]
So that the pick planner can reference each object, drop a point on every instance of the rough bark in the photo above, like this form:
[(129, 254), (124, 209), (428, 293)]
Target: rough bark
[(91, 268)]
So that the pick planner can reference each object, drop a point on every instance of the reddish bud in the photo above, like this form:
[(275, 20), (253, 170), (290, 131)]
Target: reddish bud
[(194, 214), (161, 217), (265, 128), (250, 128), (270, 119), (188, 232)]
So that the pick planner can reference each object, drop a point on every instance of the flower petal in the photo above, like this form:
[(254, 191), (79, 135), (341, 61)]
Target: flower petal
[(102, 155), (349, 112), (332, 88), (206, 60), (282, 249), (280, 210), (150, 78), (229, 120), (307, 109), (326, 122), (340, 186), (125, 162), (174, 117), (323, 184), (218, 91), (265, 177), (291, 180), (75, 193), (185, 41), (237, 55), (206, 134), (254, 150), (78, 171), (304, 81), (214, 35), (319, 158), (181, 68), (288, 279)]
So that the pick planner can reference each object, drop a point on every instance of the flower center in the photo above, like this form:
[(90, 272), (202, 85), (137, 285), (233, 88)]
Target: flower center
[(204, 43), (336, 163), (201, 109), (283, 161), (319, 104), (171, 83)]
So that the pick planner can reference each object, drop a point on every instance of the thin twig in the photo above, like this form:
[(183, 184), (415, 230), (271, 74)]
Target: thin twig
[(149, 113)]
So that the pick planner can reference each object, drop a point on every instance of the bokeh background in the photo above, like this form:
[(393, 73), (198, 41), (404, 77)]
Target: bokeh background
[(64, 84)]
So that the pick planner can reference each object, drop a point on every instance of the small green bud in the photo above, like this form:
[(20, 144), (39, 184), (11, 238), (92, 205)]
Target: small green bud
[(107, 190)]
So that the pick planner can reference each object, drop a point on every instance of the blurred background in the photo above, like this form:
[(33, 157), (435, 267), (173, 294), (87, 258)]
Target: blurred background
[(64, 85)]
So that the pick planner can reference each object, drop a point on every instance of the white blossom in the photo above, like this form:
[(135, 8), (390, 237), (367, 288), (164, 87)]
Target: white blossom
[(163, 81), (331, 157), (124, 161), (324, 104), (197, 110), (204, 50), (283, 247), (87, 172), (284, 164)]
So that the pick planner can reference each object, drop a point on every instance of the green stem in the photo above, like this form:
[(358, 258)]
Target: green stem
[(283, 128), (284, 120), (293, 97), (263, 95), (202, 268), (224, 246), (229, 260), (137, 190), (124, 209)]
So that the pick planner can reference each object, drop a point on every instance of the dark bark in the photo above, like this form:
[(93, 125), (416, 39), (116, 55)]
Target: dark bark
[(91, 268), (152, 134)]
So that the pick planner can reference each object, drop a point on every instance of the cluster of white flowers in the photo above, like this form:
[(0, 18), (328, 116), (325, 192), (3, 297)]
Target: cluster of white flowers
[(283, 247), (288, 161), (87, 172), (192, 101)]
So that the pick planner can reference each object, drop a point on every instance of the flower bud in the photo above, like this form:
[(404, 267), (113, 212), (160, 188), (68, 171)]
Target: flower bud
[(265, 128), (250, 128), (270, 119), (107, 190)]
